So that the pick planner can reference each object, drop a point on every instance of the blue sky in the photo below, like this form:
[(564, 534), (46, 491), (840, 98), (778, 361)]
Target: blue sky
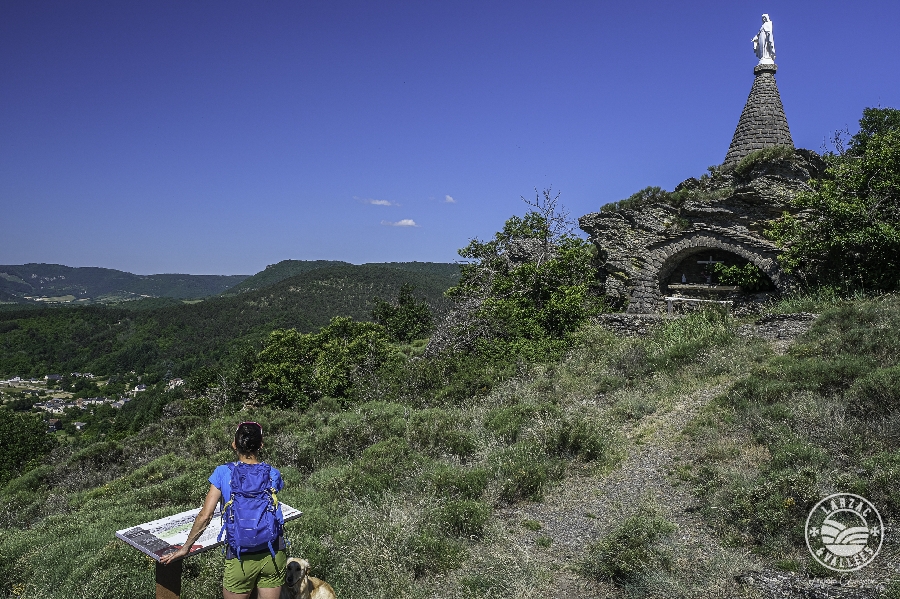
[(219, 137)]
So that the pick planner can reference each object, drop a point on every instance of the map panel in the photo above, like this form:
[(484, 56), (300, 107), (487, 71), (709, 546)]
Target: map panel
[(159, 537)]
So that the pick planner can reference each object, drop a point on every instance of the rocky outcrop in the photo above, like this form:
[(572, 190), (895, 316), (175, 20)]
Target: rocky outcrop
[(717, 218)]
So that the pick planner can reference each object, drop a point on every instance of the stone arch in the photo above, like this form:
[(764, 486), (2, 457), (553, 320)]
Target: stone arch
[(646, 286)]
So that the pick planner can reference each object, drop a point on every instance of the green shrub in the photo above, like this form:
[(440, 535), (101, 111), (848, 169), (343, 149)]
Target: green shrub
[(348, 433), (631, 550), (524, 471), (748, 277), (875, 395), (436, 431), (463, 518), (878, 480), (582, 437), (431, 553), (294, 369), (770, 511), (648, 195), (543, 541), (683, 340), (532, 525), (406, 319), (23, 444), (772, 154), (508, 422), (784, 376), (849, 239), (382, 467), (457, 482)]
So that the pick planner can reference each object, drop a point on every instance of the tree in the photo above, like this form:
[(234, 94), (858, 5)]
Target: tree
[(24, 443), (533, 281), (405, 320), (846, 235), (294, 368)]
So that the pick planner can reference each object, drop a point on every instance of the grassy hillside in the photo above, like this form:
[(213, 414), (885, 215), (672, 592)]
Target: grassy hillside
[(665, 466), (65, 284), (181, 337)]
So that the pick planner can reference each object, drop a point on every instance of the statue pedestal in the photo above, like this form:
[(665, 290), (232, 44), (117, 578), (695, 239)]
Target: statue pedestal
[(765, 68)]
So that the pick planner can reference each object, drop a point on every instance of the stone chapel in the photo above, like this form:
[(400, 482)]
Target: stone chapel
[(664, 249)]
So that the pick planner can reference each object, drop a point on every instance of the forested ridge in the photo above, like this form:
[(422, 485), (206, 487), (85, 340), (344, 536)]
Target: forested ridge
[(180, 337), (104, 285)]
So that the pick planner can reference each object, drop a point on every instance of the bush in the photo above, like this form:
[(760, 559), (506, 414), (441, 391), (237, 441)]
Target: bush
[(748, 277), (582, 437), (509, 422), (294, 369), (406, 319), (463, 518), (524, 471), (785, 376), (875, 395), (878, 480), (23, 444), (347, 434), (770, 511), (630, 551), (681, 341), (436, 431), (458, 483), (430, 553), (847, 234), (648, 195), (772, 154), (382, 467)]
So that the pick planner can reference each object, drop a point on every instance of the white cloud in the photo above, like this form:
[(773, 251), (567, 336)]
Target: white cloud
[(375, 202), (406, 222), (449, 200)]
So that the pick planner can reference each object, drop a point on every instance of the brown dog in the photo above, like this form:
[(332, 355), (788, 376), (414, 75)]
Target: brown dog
[(298, 584)]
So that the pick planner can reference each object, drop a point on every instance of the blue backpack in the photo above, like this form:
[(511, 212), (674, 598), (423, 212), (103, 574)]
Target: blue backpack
[(251, 518)]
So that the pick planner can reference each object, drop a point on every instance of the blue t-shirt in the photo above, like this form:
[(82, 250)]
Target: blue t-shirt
[(221, 479)]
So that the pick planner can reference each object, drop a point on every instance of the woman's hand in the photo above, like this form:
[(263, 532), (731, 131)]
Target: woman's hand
[(171, 557), (200, 524)]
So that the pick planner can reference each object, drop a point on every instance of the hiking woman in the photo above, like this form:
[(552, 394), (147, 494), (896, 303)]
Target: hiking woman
[(262, 566)]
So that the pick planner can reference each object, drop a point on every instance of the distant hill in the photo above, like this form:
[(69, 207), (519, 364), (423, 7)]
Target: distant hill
[(155, 337), (55, 283), (275, 273)]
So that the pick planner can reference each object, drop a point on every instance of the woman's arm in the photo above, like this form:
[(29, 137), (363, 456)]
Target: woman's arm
[(200, 523)]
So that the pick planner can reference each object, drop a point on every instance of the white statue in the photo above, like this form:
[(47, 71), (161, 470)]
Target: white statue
[(764, 43)]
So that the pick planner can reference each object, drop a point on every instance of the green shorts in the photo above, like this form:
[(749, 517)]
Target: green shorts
[(254, 570)]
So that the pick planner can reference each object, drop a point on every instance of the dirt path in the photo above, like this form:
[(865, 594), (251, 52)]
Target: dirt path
[(585, 508)]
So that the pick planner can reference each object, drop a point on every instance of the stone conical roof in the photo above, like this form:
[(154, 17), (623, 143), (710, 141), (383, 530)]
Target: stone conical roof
[(762, 123)]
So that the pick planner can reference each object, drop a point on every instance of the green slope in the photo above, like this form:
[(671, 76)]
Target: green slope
[(683, 462), (66, 284)]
